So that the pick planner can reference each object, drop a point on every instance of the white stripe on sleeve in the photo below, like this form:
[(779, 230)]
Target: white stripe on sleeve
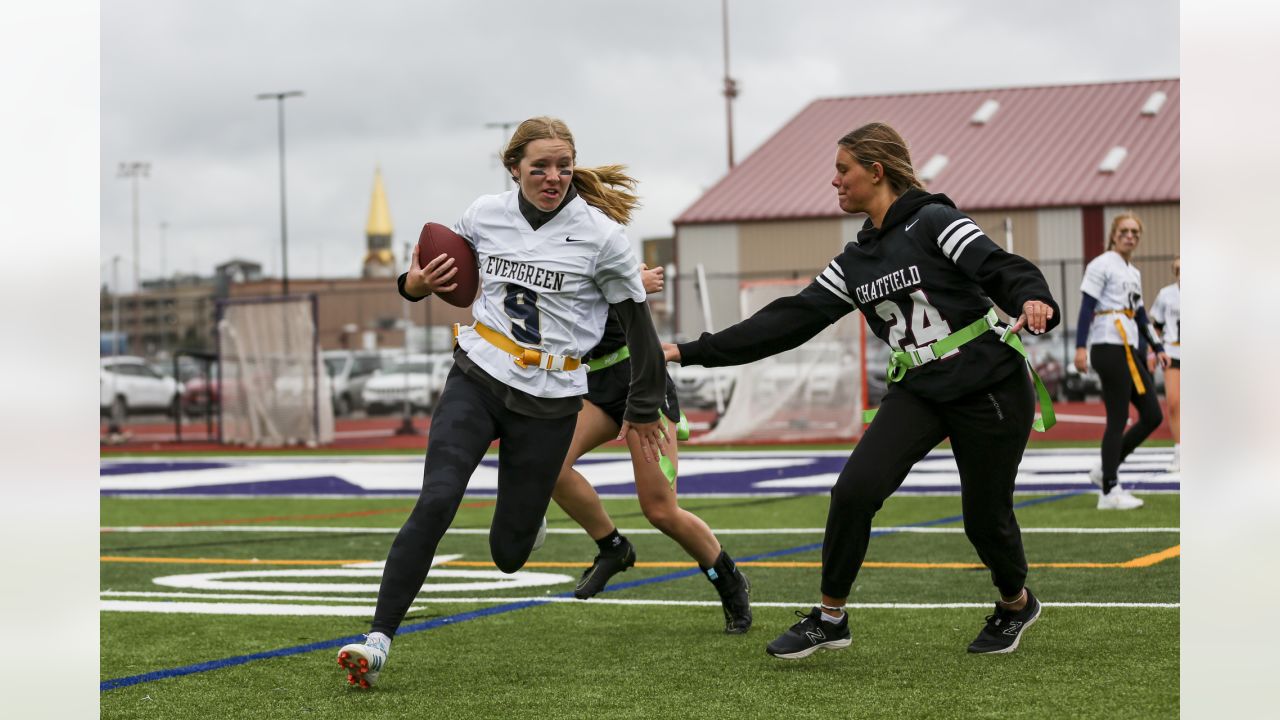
[(832, 279), (957, 236)]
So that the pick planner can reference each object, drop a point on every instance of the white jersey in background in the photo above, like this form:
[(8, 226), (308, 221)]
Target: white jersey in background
[(548, 289), (1167, 311), (1117, 285)]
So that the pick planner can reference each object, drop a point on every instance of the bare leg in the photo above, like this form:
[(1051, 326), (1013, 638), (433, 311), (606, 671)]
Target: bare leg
[(1173, 393), (658, 501), (573, 493)]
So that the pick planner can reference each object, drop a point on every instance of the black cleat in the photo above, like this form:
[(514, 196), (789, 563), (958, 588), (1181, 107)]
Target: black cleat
[(809, 635), (737, 607), (1004, 628), (604, 567)]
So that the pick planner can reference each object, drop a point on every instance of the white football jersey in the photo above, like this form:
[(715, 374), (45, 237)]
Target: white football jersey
[(1118, 286), (1167, 310), (547, 289)]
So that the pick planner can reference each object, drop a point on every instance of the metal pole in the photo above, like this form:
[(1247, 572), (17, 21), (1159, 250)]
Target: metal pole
[(730, 86), (134, 170), (163, 226), (505, 127), (113, 423), (279, 97), (406, 417)]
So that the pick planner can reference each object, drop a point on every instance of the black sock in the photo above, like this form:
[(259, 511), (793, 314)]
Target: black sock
[(610, 542), (723, 573)]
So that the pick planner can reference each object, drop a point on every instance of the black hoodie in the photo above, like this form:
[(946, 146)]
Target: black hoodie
[(927, 272)]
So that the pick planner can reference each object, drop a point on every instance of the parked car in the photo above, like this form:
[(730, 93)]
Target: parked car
[(349, 371), (417, 377), (694, 384), (200, 396), (127, 385)]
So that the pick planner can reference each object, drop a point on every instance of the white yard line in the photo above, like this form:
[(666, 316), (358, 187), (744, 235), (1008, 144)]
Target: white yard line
[(424, 602)]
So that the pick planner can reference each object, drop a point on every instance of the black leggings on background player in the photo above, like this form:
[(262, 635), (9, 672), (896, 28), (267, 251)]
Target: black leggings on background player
[(1118, 391)]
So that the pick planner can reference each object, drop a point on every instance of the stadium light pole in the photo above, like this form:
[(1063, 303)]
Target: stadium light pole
[(505, 127), (133, 171), (113, 422), (730, 85), (280, 97), (164, 225)]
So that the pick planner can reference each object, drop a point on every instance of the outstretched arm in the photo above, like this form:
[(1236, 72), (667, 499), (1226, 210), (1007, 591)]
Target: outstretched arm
[(781, 325)]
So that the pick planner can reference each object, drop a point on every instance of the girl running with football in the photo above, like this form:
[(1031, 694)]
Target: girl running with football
[(925, 277), (554, 263), (1111, 317)]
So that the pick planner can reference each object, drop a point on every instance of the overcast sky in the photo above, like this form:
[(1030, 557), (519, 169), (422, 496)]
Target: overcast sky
[(410, 87)]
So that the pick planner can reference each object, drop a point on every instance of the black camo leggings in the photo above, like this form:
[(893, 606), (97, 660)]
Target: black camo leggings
[(466, 420)]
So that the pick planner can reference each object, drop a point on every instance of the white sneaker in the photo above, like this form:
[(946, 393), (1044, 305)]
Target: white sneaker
[(541, 538), (363, 661), (1118, 499), (1095, 475)]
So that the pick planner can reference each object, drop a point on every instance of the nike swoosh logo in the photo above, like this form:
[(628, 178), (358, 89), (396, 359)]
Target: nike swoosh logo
[(573, 239), (913, 224)]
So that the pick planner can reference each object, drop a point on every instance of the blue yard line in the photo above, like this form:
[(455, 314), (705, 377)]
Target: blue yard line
[(494, 610)]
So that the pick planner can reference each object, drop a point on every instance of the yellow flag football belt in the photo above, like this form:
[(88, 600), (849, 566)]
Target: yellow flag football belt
[(1128, 351), (524, 357)]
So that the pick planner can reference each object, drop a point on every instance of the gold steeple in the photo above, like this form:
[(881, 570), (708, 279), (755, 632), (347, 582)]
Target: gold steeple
[(379, 214), (379, 261)]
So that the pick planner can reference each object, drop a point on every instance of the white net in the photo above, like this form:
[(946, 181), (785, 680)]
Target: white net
[(274, 389), (813, 393)]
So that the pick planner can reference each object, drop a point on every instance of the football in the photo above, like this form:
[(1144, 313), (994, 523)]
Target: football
[(436, 239)]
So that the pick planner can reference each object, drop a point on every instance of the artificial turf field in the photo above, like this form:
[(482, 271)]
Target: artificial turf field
[(262, 645)]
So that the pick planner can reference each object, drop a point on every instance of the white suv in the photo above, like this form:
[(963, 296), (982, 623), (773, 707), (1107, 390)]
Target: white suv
[(127, 384), (418, 376)]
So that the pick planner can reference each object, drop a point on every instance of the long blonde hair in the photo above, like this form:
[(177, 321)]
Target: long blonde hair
[(606, 187), (879, 143), (1115, 226)]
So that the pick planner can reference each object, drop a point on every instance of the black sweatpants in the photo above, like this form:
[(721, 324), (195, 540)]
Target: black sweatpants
[(988, 428), (466, 420), (1118, 390)]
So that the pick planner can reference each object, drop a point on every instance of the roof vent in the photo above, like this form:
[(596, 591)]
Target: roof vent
[(1154, 103), (932, 168), (1112, 161), (985, 112)]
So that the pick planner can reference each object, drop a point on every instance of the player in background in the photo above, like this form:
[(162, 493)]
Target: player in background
[(554, 263), (598, 422), (924, 276), (1111, 318), (1166, 315)]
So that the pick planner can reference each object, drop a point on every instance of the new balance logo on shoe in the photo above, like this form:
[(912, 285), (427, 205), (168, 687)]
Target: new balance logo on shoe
[(1005, 627), (810, 635)]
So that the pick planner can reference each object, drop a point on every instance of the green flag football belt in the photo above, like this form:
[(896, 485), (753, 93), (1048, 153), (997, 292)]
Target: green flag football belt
[(682, 426), (900, 361)]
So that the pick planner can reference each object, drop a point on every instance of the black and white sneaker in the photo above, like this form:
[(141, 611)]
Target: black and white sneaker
[(737, 607), (604, 567), (809, 635), (1004, 628)]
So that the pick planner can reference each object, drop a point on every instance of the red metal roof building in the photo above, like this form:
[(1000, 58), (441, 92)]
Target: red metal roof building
[(1047, 165)]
